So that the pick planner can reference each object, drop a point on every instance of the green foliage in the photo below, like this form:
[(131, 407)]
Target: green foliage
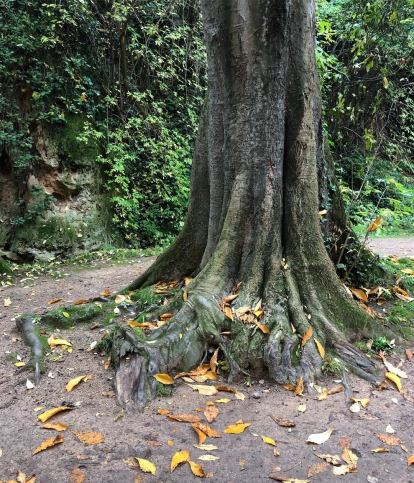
[(382, 344)]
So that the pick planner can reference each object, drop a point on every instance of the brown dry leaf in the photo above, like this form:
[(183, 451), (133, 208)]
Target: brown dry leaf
[(269, 441), (409, 398), (317, 468), (360, 294), (201, 436), (389, 439), (332, 459), (146, 466), (410, 460), (54, 301), (299, 387), (320, 438), (74, 382), (289, 387), (133, 324), (51, 412), (77, 475), (21, 478), (107, 363), (179, 458), (197, 470), (163, 411), (307, 336), (374, 224), (89, 437), (335, 390), (229, 298), (288, 480), (380, 450), (408, 354), (49, 443), (349, 457), (236, 428), (185, 418), (394, 369), (131, 462), (345, 443), (227, 312), (364, 402), (395, 379), (276, 453), (199, 371), (320, 347), (105, 293), (213, 360), (204, 390), (56, 426), (263, 328), (206, 430), (164, 378), (211, 413), (286, 423), (81, 302)]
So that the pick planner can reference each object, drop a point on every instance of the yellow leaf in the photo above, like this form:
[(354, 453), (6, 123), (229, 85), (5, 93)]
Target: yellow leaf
[(19, 364), (239, 395), (320, 347), (56, 426), (74, 382), (223, 401), (51, 412), (53, 301), (307, 336), (299, 387), (7, 302), (395, 379), (49, 443), (204, 390), (164, 378), (198, 470), (409, 271), (376, 223), (201, 436), (268, 440), (77, 475), (54, 342), (205, 447), (320, 438), (81, 302), (89, 437), (410, 460), (170, 443), (163, 411), (208, 457), (380, 450), (146, 466), (236, 428), (206, 430), (179, 458), (263, 328)]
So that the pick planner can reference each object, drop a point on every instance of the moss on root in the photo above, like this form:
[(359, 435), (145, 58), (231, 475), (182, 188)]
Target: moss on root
[(65, 317)]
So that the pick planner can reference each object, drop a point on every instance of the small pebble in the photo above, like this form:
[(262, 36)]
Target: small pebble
[(256, 395)]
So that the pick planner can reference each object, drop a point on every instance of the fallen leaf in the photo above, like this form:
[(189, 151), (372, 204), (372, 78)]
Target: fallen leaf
[(51, 412), (120, 298), (395, 379), (77, 475), (288, 480), (49, 443), (239, 395), (321, 350), (360, 294), (133, 324), (185, 418), (389, 429), (350, 457), (286, 423), (299, 387), (268, 441), (342, 470), (54, 301), (206, 430), (213, 360), (7, 302), (355, 408), (335, 390), (320, 438), (404, 448), (107, 363), (204, 390), (229, 298), (374, 224), (208, 457), (81, 302), (236, 428), (364, 402), (131, 462), (19, 364), (289, 387), (197, 470), (332, 459), (74, 382), (179, 458), (163, 411), (302, 408), (408, 354), (394, 370), (205, 447), (223, 401), (211, 413), (146, 466), (317, 468), (390, 440), (276, 453), (55, 342), (89, 437), (410, 460), (56, 426), (345, 443), (263, 328), (170, 443), (409, 271), (307, 336), (380, 450), (164, 378)]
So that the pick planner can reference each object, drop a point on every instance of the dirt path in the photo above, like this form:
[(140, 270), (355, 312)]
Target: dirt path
[(244, 458), (397, 247)]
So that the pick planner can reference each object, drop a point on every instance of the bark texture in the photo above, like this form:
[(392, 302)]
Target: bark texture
[(253, 215)]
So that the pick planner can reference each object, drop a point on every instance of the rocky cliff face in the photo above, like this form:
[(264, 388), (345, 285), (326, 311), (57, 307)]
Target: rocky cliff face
[(60, 206)]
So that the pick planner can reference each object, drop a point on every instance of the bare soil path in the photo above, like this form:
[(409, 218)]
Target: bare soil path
[(397, 247), (243, 457)]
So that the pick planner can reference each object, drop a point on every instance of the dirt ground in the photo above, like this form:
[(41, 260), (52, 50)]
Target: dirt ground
[(243, 457), (397, 247)]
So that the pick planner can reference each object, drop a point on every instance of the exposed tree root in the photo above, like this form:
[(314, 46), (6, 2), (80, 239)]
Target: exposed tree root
[(25, 325)]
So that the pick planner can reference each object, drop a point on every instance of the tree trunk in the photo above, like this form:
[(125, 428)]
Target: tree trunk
[(253, 215)]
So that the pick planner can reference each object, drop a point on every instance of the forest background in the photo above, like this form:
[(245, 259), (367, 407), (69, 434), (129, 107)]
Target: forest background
[(99, 108)]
